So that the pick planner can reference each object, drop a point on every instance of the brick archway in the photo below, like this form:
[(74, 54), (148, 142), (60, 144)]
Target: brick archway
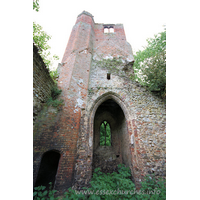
[(109, 95), (125, 135), (86, 144)]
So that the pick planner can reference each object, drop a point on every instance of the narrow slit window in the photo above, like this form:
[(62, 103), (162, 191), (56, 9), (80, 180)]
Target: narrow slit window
[(108, 76)]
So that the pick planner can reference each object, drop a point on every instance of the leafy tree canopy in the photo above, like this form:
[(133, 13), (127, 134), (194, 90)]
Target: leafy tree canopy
[(41, 39), (36, 5), (150, 65)]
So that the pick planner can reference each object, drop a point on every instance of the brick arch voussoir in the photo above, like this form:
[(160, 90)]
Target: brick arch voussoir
[(109, 95)]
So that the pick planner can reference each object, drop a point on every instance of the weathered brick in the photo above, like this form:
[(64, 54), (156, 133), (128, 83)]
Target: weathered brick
[(134, 114)]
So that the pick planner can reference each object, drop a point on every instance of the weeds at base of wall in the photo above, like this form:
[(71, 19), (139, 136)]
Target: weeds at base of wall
[(119, 183), (41, 194)]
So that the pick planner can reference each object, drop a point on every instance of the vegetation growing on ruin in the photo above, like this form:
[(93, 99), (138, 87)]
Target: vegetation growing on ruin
[(40, 39), (110, 64), (102, 184), (150, 65), (95, 89), (54, 75), (116, 66), (53, 99), (54, 104)]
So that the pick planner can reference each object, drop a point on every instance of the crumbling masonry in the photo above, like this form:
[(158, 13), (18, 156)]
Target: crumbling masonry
[(96, 81)]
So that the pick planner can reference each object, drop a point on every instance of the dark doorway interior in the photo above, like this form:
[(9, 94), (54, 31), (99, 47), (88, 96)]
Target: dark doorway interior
[(48, 169), (110, 137)]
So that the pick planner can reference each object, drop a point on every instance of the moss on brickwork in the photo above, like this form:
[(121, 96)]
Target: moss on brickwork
[(46, 118), (118, 66), (49, 112), (95, 89), (111, 64)]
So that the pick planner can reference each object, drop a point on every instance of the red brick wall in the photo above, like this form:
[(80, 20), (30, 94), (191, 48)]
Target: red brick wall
[(59, 129)]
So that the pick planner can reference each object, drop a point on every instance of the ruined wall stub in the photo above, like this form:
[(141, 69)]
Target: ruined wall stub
[(42, 82), (95, 74)]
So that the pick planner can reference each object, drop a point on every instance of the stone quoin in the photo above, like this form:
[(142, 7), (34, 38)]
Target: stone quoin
[(95, 76)]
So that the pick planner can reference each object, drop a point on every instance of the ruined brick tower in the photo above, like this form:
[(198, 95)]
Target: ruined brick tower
[(96, 81)]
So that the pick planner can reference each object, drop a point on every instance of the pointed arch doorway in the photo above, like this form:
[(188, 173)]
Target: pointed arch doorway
[(107, 155)]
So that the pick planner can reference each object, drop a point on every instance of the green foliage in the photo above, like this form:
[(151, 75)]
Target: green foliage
[(150, 65), (54, 103), (152, 189), (115, 182), (41, 39), (104, 131), (113, 186), (54, 75), (72, 194), (36, 5), (41, 194), (55, 92), (110, 64)]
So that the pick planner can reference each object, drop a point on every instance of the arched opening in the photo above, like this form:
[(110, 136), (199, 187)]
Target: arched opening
[(108, 157), (105, 134), (111, 30), (48, 169), (106, 30)]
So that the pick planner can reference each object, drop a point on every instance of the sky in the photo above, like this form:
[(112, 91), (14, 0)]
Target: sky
[(141, 19)]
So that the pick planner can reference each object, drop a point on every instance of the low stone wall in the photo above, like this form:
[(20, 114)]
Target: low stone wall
[(42, 82)]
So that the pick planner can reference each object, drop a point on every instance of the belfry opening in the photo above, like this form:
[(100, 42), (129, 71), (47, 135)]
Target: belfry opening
[(110, 140)]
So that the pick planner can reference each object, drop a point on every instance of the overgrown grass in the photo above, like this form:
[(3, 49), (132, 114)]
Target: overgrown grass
[(110, 187)]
